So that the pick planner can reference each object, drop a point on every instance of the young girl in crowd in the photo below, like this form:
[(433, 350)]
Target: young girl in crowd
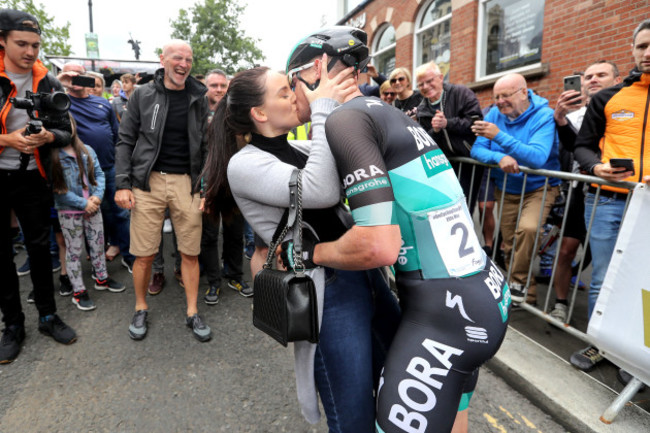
[(78, 185)]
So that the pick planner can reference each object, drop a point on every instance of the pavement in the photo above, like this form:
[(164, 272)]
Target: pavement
[(573, 398), (170, 383)]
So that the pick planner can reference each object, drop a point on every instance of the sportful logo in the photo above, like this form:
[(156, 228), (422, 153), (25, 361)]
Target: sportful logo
[(476, 334), (623, 115)]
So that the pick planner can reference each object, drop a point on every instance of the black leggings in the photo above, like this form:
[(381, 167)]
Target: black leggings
[(449, 328)]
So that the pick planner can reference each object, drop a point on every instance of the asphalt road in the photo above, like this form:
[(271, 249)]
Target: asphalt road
[(241, 381)]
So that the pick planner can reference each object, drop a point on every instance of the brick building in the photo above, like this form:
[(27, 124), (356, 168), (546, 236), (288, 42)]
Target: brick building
[(476, 41)]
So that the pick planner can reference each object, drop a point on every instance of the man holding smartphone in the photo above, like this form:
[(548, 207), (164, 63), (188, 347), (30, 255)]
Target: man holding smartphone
[(616, 116), (568, 118), (569, 111)]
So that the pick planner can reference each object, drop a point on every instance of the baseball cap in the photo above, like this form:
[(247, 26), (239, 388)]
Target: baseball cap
[(11, 19)]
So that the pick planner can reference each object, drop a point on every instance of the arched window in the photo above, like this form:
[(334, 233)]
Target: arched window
[(433, 35), (383, 56)]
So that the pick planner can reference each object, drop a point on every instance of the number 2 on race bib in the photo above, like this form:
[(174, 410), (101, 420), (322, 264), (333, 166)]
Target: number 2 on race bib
[(454, 234)]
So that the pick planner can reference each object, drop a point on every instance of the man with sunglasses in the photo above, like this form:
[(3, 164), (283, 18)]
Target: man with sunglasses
[(409, 210), (519, 130)]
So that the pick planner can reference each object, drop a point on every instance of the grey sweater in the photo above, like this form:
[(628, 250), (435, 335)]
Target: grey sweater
[(260, 184)]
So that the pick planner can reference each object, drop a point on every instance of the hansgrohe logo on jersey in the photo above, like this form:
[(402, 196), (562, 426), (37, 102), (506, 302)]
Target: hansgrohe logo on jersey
[(434, 162), (367, 185)]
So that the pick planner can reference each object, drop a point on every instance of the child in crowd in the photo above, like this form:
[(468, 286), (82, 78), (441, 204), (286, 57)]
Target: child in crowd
[(78, 185)]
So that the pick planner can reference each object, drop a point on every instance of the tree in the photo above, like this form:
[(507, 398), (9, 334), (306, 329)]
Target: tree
[(54, 40), (211, 28)]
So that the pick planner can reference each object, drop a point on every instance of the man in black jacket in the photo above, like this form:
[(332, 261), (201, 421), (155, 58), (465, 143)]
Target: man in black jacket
[(159, 157), (446, 113), (24, 186)]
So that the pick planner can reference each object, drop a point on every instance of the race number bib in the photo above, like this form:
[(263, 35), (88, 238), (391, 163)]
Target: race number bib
[(457, 242)]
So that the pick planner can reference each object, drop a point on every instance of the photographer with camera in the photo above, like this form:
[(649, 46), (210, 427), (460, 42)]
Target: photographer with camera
[(24, 172)]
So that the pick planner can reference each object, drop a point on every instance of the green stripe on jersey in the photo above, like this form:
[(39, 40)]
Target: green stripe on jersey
[(377, 214)]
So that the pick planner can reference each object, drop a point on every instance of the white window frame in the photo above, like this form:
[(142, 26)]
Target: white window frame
[(480, 45), (380, 33), (418, 31)]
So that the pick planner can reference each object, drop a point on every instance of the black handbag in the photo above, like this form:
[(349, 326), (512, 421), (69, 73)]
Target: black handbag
[(285, 305)]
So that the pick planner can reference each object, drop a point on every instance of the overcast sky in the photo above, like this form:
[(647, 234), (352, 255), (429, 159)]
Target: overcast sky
[(278, 24)]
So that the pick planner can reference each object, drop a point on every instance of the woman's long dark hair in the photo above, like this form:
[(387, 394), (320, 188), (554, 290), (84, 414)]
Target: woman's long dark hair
[(231, 122), (58, 179)]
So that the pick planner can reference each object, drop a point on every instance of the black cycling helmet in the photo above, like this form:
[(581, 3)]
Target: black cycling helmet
[(340, 43)]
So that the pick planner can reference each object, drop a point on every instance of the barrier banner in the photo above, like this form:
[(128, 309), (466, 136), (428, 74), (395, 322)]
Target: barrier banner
[(620, 323)]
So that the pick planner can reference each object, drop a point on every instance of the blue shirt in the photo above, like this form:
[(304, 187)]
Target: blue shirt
[(531, 139), (96, 126)]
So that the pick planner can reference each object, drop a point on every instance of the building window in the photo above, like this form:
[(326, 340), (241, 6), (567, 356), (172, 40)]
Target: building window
[(510, 36), (384, 51), (433, 35)]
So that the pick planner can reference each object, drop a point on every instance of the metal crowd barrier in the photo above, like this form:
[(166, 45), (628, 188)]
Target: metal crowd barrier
[(471, 164), (543, 312)]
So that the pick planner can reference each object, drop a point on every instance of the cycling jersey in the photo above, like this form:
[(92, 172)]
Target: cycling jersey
[(455, 301)]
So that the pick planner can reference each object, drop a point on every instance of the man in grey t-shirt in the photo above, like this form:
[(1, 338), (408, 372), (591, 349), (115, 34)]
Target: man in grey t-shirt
[(24, 184)]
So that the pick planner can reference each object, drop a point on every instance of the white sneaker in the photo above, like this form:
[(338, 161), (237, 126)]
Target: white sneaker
[(559, 312), (167, 226)]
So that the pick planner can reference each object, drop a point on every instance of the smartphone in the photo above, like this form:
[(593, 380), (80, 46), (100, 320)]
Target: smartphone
[(573, 82), (474, 119), (80, 80), (627, 163)]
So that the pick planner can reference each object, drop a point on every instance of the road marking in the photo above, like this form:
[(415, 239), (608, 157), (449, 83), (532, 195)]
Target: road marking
[(493, 422), (501, 429), (504, 410)]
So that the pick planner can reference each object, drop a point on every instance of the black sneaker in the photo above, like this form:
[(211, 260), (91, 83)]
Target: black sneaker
[(518, 292), (82, 301), (138, 327), (65, 289), (244, 289), (30, 297), (12, 336), (586, 359), (53, 326), (212, 295), (200, 330), (127, 265), (110, 284)]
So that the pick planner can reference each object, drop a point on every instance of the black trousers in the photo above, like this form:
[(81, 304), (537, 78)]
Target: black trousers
[(27, 193), (233, 246)]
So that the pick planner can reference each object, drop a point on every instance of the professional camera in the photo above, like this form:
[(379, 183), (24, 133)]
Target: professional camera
[(50, 107)]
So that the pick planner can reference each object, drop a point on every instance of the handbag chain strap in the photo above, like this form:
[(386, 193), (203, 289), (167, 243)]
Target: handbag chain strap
[(294, 217)]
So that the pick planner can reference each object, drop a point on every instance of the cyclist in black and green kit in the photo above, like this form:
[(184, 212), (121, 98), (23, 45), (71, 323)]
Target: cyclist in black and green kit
[(409, 211)]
